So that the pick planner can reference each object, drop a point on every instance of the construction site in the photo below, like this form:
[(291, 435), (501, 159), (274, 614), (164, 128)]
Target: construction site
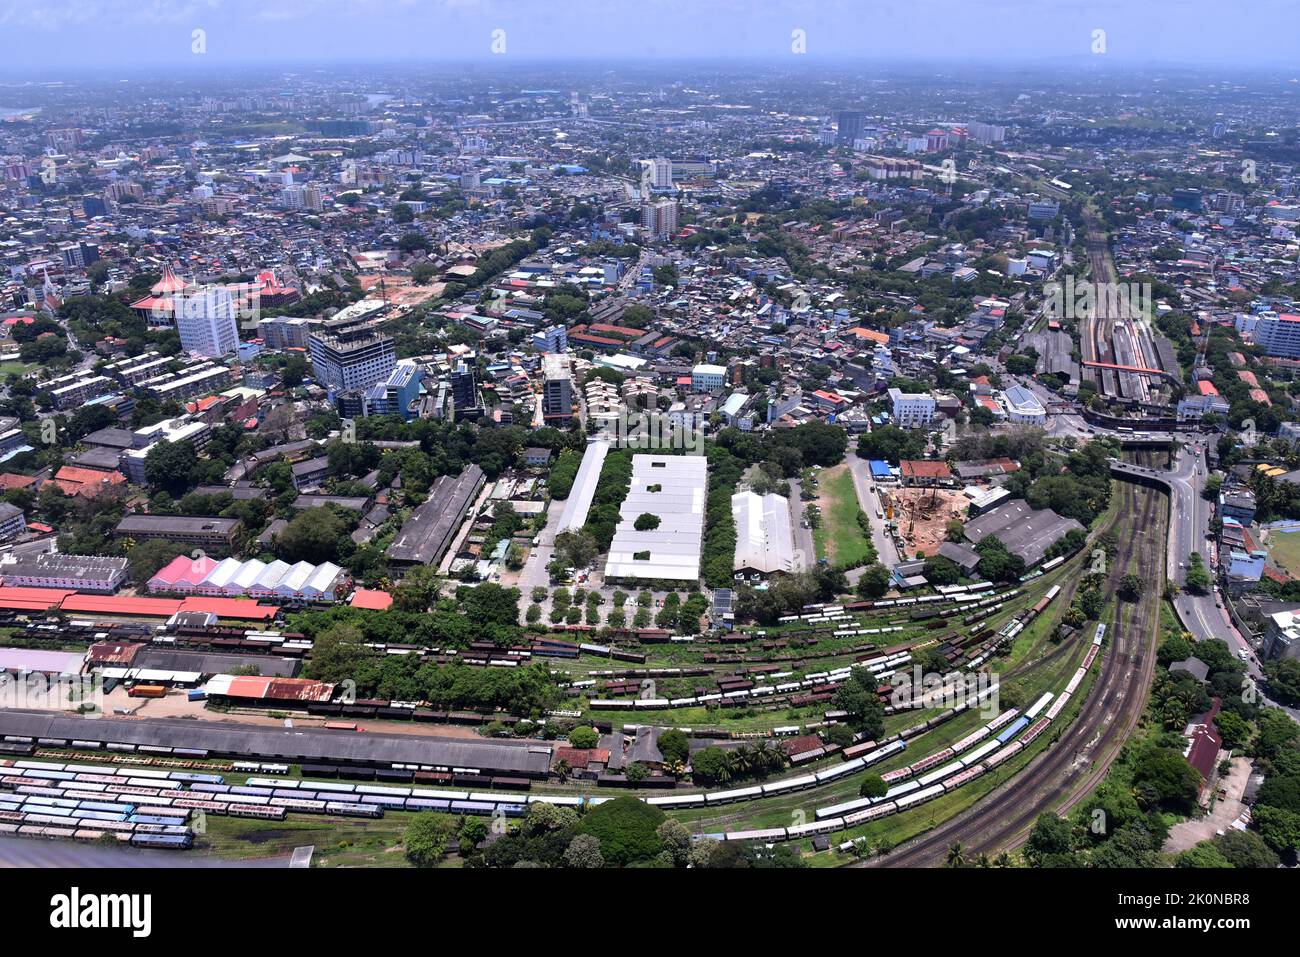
[(920, 516)]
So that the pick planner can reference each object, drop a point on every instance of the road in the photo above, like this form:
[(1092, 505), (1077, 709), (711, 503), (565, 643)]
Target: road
[(805, 550), (886, 550)]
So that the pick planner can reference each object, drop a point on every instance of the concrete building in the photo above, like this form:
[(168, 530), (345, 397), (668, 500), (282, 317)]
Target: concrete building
[(708, 378), (207, 319), (12, 521), (1279, 335), (77, 572), (1281, 635), (557, 388), (911, 410), (216, 533), (1023, 406), (551, 339), (350, 354)]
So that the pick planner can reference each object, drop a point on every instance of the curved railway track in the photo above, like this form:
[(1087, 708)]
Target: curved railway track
[(1064, 774)]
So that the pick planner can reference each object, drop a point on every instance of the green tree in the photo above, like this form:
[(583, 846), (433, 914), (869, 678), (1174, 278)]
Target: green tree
[(873, 786), (627, 829), (584, 852), (426, 838)]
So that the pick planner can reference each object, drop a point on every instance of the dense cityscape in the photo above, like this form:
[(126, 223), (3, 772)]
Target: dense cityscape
[(698, 465)]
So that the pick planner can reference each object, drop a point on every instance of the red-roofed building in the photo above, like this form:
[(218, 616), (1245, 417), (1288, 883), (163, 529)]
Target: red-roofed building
[(87, 483), (923, 471), (1204, 744), (371, 599)]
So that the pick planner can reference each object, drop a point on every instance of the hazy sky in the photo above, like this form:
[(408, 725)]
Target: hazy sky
[(50, 36)]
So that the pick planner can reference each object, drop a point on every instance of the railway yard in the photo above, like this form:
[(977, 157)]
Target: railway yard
[(953, 762), (1122, 354)]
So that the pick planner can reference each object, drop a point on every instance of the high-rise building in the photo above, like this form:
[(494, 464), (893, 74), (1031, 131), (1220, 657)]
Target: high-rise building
[(661, 172), (557, 387), (464, 390), (849, 125), (207, 320), (1279, 335), (659, 218), (986, 133), (551, 339), (350, 353)]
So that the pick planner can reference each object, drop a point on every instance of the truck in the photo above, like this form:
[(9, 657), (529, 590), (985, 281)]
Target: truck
[(147, 691)]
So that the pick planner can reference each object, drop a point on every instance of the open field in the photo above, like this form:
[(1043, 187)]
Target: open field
[(1284, 549), (839, 538)]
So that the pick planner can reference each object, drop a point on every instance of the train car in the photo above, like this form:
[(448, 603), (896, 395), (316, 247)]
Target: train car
[(1057, 706), (1006, 717), (1010, 751), (1100, 636), (870, 813), (980, 753), (1012, 730), (1038, 728), (919, 797), (1037, 707), (966, 776), (737, 794), (1075, 681), (934, 777)]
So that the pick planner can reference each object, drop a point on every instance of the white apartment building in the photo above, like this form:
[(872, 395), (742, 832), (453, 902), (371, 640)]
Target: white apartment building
[(208, 321), (708, 378), (911, 410), (1279, 335)]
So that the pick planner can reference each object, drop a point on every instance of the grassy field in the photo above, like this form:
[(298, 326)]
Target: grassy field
[(839, 538), (339, 841), (1284, 547)]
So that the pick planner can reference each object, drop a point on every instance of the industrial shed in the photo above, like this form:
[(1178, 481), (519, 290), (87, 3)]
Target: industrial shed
[(1025, 531), (578, 504), (425, 537), (671, 551), (764, 538), (290, 745)]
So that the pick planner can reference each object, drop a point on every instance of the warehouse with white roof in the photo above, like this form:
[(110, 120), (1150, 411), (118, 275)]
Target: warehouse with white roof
[(764, 537), (674, 489), (253, 578), (578, 504)]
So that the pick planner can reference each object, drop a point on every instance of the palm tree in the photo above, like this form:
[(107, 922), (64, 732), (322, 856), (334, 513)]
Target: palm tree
[(1003, 860), (956, 856), (983, 861)]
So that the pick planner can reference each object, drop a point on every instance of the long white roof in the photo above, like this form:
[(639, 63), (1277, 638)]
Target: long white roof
[(578, 503), (764, 538), (671, 550)]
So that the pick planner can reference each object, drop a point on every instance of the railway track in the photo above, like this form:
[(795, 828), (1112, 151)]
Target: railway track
[(1064, 774)]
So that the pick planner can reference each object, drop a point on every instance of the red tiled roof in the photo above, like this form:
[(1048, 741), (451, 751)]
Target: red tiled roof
[(922, 468)]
